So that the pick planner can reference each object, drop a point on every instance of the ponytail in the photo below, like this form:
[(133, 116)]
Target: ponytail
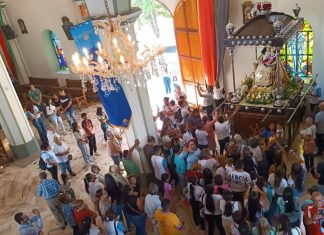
[(209, 201), (86, 180), (228, 196), (192, 193)]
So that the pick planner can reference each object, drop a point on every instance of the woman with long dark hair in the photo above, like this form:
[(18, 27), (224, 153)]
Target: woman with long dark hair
[(285, 227), (290, 205), (207, 177), (254, 207), (297, 178), (112, 189), (278, 181), (194, 194), (219, 186), (212, 211), (228, 207)]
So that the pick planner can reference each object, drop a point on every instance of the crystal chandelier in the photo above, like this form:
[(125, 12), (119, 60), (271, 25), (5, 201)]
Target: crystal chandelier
[(117, 57)]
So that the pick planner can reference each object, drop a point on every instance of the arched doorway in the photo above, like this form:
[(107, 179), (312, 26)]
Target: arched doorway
[(186, 26)]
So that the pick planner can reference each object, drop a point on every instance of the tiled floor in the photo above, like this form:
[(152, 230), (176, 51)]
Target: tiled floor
[(18, 187)]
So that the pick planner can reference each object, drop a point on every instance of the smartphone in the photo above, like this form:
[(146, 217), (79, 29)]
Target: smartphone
[(320, 211)]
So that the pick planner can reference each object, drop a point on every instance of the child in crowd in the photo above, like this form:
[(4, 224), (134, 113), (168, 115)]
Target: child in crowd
[(280, 131), (88, 128), (67, 186), (308, 149), (67, 210), (96, 170), (112, 224), (82, 141), (167, 187), (104, 122)]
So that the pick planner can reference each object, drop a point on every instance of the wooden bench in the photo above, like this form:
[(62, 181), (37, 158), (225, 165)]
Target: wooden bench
[(71, 83), (41, 82)]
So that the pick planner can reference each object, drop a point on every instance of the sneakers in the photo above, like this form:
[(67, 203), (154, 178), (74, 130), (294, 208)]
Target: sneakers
[(97, 154)]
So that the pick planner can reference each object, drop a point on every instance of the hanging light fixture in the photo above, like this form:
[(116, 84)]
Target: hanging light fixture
[(117, 57)]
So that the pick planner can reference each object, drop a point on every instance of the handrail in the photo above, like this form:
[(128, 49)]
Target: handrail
[(301, 100), (266, 116)]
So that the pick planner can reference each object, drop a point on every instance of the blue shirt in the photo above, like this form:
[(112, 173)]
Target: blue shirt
[(192, 157), (294, 215), (180, 163), (49, 188), (67, 210), (48, 155), (29, 229)]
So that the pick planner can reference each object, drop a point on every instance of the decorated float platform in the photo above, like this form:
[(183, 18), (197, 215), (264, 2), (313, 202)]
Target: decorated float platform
[(268, 94)]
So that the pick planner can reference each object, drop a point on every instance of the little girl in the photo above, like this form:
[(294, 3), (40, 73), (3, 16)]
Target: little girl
[(82, 141), (167, 187), (67, 186)]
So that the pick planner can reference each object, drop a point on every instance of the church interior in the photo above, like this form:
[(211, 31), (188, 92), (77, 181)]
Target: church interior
[(161, 117)]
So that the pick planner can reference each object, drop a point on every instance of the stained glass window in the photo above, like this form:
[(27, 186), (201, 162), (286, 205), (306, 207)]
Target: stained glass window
[(297, 53), (59, 52)]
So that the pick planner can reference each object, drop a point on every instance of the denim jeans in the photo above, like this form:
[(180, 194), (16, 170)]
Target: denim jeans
[(57, 122), (105, 129), (66, 166), (222, 144), (309, 161), (167, 84), (92, 144), (138, 221), (70, 116), (53, 171), (85, 153), (40, 126)]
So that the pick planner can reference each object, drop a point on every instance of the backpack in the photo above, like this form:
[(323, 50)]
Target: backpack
[(178, 117), (42, 163)]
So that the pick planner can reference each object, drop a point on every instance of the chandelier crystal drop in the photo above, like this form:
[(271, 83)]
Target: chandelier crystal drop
[(115, 58)]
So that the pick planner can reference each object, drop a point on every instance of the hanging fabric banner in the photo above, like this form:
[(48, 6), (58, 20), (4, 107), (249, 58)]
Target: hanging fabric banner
[(208, 38), (115, 103)]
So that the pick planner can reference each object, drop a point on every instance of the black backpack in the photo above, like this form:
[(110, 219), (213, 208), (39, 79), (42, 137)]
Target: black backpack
[(42, 163)]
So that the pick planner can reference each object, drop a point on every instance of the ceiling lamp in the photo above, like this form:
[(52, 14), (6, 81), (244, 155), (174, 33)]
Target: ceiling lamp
[(117, 57)]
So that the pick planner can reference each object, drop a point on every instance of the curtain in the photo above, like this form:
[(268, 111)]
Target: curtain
[(221, 12), (208, 39)]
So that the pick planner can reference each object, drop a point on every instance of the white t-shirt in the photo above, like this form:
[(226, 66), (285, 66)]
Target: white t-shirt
[(235, 207), (157, 163), (239, 180), (218, 93), (187, 137), (60, 149), (283, 184), (208, 163), (111, 225), (198, 192), (216, 198), (202, 137), (93, 188), (50, 137), (152, 203), (50, 110), (221, 171), (257, 153), (222, 130), (184, 114)]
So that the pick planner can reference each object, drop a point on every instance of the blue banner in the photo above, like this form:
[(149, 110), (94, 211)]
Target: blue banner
[(115, 103)]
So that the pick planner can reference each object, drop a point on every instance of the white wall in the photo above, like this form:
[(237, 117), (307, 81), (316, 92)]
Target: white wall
[(312, 11), (40, 15)]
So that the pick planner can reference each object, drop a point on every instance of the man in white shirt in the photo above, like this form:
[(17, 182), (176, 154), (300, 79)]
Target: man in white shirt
[(218, 95), (239, 181), (51, 134), (208, 100), (62, 152), (158, 162)]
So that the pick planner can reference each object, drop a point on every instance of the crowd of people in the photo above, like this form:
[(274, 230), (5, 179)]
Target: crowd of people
[(229, 185)]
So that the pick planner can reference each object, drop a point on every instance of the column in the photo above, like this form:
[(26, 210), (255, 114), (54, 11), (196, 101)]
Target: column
[(21, 67), (142, 123), (13, 119)]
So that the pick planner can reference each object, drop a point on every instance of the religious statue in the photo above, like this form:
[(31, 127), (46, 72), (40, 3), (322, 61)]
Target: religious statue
[(265, 68)]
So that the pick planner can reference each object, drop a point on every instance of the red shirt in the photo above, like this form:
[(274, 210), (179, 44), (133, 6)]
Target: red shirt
[(193, 173), (315, 227), (79, 215), (87, 126)]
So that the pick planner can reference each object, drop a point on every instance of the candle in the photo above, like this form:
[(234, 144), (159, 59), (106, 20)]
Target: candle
[(129, 37), (100, 59), (122, 59), (76, 59), (115, 42), (85, 61)]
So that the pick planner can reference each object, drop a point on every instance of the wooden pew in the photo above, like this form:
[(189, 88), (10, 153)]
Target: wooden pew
[(71, 83)]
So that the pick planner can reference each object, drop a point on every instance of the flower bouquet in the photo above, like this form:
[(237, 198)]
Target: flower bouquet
[(259, 95)]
